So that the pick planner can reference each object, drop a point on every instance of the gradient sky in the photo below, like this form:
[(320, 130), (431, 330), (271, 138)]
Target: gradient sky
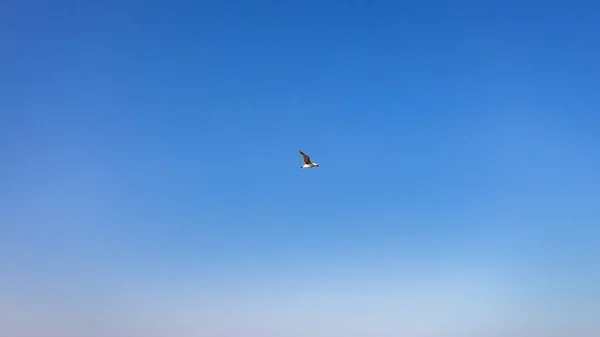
[(151, 184)]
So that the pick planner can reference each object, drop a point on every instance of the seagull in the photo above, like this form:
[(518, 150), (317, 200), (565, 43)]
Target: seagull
[(307, 162)]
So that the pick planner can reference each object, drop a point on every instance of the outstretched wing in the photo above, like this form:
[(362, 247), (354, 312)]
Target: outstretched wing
[(305, 158)]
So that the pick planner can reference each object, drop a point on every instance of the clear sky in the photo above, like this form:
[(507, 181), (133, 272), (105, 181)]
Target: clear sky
[(150, 181)]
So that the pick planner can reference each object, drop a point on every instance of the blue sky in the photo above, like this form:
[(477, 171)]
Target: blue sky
[(151, 173)]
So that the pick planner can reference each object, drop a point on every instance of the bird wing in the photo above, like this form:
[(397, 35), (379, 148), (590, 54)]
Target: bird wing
[(305, 157)]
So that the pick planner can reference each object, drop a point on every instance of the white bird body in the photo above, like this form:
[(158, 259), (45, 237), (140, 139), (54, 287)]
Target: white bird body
[(307, 162)]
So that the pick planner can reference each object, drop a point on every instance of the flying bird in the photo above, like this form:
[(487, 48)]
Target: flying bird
[(307, 162)]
